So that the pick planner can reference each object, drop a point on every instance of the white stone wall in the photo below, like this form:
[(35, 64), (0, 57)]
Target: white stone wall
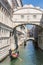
[(6, 26), (6, 19), (4, 52), (4, 42)]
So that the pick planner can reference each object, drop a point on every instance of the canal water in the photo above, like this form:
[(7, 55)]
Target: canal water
[(28, 56)]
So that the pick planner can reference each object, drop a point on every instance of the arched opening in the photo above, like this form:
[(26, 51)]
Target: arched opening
[(21, 31)]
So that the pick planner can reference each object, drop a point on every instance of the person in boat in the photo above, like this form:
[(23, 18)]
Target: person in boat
[(10, 51), (13, 54), (24, 43)]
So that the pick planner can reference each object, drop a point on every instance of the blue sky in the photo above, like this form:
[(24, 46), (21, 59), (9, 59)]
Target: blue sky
[(34, 2), (29, 26)]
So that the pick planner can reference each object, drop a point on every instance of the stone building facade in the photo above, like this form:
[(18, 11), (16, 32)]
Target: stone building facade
[(6, 26), (27, 14)]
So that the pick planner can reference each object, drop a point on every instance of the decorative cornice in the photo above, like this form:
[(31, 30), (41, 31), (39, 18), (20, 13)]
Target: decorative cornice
[(20, 8), (5, 26)]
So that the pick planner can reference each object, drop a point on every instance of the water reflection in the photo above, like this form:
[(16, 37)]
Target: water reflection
[(29, 56)]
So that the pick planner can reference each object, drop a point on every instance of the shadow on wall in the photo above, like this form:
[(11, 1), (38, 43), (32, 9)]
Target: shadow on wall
[(41, 21)]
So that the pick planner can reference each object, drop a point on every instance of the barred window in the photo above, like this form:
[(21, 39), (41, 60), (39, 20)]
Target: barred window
[(22, 16), (34, 16)]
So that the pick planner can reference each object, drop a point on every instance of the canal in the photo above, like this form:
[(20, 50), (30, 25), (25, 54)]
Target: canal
[(28, 56)]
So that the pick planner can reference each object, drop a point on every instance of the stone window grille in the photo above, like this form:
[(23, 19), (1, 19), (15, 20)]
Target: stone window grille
[(28, 17), (34, 16), (22, 16)]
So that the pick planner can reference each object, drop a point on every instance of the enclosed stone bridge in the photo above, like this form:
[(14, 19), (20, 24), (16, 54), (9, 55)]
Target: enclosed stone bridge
[(28, 15), (30, 38)]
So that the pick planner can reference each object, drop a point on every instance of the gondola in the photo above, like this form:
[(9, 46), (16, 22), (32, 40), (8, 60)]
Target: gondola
[(13, 55)]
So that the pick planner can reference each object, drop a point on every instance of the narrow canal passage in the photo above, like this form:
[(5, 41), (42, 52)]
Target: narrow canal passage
[(28, 56)]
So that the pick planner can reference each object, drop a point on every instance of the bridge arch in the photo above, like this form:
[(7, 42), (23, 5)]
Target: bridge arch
[(41, 28)]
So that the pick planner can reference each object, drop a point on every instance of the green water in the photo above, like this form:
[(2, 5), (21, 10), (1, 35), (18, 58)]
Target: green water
[(28, 56)]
